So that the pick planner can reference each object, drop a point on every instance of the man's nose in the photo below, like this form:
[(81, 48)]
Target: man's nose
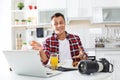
[(59, 24)]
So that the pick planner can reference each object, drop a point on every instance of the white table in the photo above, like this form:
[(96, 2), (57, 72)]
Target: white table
[(5, 74), (71, 75)]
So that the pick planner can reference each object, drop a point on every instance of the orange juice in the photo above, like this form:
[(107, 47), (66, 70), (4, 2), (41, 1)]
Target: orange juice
[(54, 61)]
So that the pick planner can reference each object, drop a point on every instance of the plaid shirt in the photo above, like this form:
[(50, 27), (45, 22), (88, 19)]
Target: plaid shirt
[(51, 45)]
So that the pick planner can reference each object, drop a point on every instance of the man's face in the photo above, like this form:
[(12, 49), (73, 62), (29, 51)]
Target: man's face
[(58, 25)]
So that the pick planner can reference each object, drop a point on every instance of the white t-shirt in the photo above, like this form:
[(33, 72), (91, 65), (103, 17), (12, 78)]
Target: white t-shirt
[(64, 51)]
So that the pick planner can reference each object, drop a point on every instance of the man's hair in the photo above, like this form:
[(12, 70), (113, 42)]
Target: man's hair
[(58, 15)]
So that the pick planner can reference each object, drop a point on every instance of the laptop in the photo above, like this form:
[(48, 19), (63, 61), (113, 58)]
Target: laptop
[(28, 63)]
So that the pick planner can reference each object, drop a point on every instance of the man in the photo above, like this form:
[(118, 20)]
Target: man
[(68, 46)]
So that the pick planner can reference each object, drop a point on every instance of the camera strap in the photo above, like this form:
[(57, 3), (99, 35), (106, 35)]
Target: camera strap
[(111, 68)]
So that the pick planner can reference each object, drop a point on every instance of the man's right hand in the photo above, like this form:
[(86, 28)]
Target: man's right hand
[(36, 46)]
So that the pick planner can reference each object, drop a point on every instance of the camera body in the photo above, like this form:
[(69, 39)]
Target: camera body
[(106, 65), (88, 66)]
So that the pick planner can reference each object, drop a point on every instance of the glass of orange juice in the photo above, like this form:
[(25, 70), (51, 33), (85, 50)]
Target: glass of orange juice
[(54, 61)]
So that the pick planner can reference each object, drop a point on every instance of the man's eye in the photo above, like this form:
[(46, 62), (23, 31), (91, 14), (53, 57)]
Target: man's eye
[(62, 22), (55, 23), (59, 23)]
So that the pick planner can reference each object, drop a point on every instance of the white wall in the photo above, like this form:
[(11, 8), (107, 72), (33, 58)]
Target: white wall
[(5, 34)]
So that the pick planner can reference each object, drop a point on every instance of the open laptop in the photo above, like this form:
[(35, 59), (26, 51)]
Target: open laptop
[(28, 63)]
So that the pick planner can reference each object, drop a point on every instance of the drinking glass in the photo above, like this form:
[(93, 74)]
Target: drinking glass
[(54, 61)]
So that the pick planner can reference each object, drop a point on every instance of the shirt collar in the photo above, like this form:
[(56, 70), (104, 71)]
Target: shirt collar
[(55, 35)]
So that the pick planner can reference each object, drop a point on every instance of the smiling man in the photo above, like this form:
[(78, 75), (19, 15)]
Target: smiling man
[(67, 46)]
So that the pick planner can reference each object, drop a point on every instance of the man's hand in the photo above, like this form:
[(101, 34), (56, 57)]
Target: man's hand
[(81, 54), (36, 46)]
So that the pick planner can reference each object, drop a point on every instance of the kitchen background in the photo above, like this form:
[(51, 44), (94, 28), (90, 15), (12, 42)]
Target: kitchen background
[(96, 22), (91, 35)]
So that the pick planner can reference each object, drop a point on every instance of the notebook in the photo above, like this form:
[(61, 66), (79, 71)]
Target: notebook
[(28, 63)]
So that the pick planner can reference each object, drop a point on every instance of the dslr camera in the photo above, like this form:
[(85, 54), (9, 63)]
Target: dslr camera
[(89, 66)]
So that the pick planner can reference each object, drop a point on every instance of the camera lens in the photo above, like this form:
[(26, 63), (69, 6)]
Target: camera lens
[(87, 67), (83, 67)]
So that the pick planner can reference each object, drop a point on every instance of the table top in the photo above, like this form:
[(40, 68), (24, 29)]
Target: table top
[(71, 75)]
